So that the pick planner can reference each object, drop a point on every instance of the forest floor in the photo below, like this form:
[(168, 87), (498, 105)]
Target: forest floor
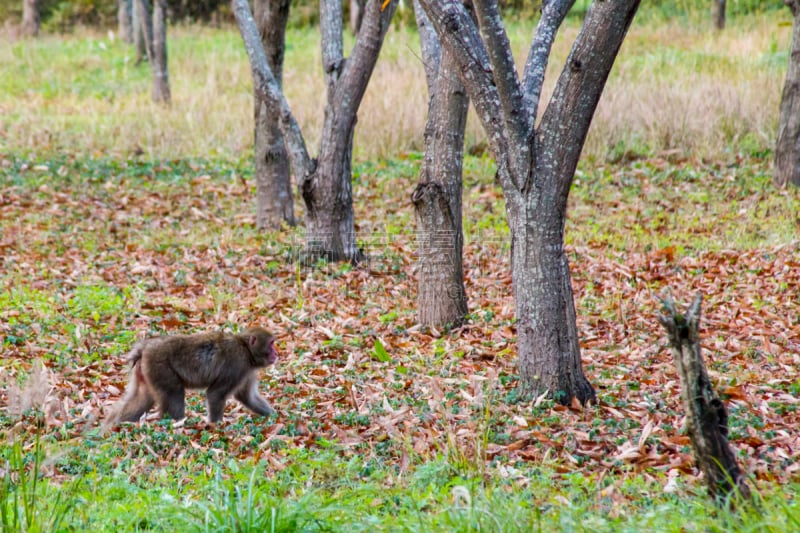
[(98, 253), (106, 239)]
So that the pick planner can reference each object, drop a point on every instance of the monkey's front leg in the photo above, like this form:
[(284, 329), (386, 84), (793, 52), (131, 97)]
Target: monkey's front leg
[(248, 395)]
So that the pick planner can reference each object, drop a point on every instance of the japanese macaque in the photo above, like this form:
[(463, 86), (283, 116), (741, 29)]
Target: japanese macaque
[(162, 368)]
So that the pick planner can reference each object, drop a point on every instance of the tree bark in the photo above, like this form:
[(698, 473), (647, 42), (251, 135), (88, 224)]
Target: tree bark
[(274, 200), (325, 182), (718, 13), (31, 20), (535, 166), (124, 20), (158, 59), (356, 14), (706, 416), (441, 298), (787, 149), (141, 29), (327, 192)]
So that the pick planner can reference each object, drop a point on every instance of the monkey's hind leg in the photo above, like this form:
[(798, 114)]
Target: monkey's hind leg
[(171, 402)]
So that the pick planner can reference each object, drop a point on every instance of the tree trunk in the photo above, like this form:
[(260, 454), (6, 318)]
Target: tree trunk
[(718, 13), (325, 183), (356, 14), (158, 58), (327, 192), (124, 20), (706, 416), (328, 196), (274, 200), (787, 150), (536, 165), (141, 29), (549, 352), (30, 18), (441, 298)]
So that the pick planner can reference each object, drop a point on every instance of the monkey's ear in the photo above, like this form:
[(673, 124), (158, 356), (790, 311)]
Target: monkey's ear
[(252, 341)]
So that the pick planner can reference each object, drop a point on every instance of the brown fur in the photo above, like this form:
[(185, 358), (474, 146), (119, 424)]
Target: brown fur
[(162, 368)]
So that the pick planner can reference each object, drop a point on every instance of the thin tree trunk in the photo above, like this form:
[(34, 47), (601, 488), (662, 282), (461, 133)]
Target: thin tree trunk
[(145, 24), (274, 200), (161, 92), (718, 13), (706, 416), (787, 150), (124, 20), (441, 298), (30, 18), (141, 29), (356, 14)]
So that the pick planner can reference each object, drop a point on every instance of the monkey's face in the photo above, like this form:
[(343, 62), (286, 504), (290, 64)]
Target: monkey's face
[(262, 346)]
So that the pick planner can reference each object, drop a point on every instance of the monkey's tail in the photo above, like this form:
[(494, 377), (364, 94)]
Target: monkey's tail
[(135, 355)]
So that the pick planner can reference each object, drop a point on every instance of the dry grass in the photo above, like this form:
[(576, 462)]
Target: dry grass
[(674, 88)]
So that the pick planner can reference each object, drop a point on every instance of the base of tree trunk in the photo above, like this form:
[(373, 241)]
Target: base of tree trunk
[(442, 299), (706, 417)]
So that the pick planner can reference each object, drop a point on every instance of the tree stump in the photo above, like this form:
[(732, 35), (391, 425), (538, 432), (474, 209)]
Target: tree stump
[(706, 416)]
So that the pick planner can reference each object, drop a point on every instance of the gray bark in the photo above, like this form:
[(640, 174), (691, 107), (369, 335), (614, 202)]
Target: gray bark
[(274, 200), (141, 29), (125, 20), (706, 416), (535, 165), (718, 13), (30, 18), (158, 58), (325, 183), (441, 298), (356, 14), (787, 149)]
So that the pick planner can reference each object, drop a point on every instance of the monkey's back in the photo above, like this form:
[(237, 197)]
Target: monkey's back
[(192, 361)]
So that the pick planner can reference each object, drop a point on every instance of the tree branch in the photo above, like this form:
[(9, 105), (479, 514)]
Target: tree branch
[(429, 44), (553, 14), (330, 25), (505, 73), (458, 33), (569, 113), (359, 66), (267, 88)]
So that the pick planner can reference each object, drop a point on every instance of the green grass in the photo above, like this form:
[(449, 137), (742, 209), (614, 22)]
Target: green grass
[(335, 491)]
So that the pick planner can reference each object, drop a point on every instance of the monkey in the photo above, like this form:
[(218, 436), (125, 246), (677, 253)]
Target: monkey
[(225, 365)]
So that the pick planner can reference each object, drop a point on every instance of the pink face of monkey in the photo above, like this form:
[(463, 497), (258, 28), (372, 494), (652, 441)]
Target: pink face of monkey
[(262, 346)]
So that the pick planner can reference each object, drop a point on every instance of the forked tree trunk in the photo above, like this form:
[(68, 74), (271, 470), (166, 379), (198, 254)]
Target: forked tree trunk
[(706, 416), (158, 59), (125, 20), (274, 200), (325, 182), (787, 150), (718, 13), (30, 18), (536, 165), (441, 298)]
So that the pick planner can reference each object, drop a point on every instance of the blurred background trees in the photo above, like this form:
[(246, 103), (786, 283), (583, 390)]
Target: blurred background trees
[(63, 15)]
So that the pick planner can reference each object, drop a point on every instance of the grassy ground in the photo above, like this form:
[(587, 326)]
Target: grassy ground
[(677, 88), (383, 426)]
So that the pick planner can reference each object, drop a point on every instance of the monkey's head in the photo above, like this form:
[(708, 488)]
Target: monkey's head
[(262, 346)]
